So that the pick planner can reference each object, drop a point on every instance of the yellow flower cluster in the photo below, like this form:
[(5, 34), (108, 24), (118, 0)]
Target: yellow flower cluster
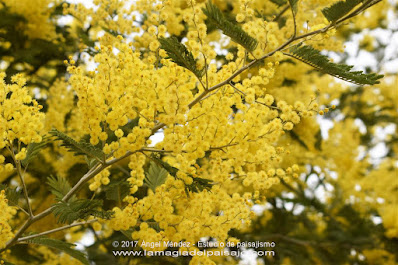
[(379, 256), (60, 102), (100, 179), (108, 98), (127, 84), (124, 219), (237, 135), (103, 15), (37, 14), (7, 214), (63, 116), (20, 116), (137, 175), (183, 218), (5, 169), (385, 188)]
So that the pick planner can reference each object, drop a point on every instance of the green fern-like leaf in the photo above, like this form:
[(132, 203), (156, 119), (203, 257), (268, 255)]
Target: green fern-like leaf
[(59, 187), (12, 194), (68, 212), (296, 137), (155, 176), (117, 190), (127, 233), (79, 148), (180, 55), (33, 150), (232, 30), (318, 142), (169, 168), (90, 162), (197, 185), (293, 5), (62, 246), (313, 57), (339, 9)]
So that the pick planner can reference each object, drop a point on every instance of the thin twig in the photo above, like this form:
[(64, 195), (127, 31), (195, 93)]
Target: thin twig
[(201, 43), (56, 230), (276, 18), (238, 90), (25, 190), (20, 174), (294, 21), (155, 150), (22, 209)]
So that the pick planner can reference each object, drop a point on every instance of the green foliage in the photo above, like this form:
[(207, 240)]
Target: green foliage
[(99, 257), (59, 187), (155, 176), (197, 185), (232, 30), (313, 57), (12, 194), (35, 53), (127, 233), (339, 9), (293, 5), (33, 150), (7, 263), (68, 212), (61, 246), (9, 21), (297, 138), (172, 170), (278, 2), (318, 142), (117, 190), (90, 162), (79, 148), (180, 55)]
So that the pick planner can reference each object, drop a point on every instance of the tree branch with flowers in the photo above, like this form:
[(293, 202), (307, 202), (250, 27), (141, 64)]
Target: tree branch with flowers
[(231, 141)]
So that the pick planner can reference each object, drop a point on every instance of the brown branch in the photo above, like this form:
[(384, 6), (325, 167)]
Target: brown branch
[(55, 230), (20, 174)]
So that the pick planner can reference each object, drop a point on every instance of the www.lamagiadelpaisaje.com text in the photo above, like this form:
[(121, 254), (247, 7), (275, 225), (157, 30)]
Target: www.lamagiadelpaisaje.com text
[(221, 248)]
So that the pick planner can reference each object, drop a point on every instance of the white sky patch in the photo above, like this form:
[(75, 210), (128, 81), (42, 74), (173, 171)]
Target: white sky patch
[(325, 126), (87, 240), (65, 20), (379, 151), (361, 126), (156, 138), (258, 209), (86, 3), (376, 220), (383, 132), (363, 60)]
